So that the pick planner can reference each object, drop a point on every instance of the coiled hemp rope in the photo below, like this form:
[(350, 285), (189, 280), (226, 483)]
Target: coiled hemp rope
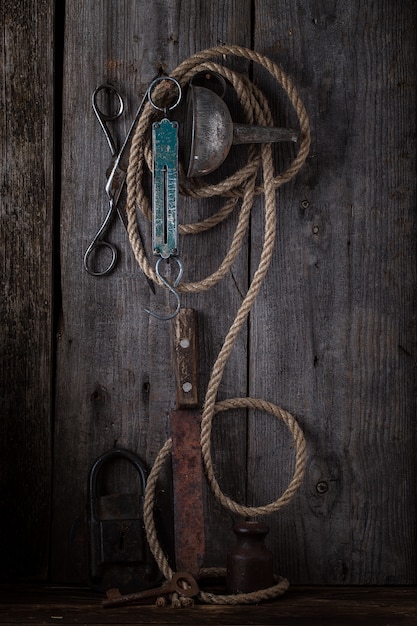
[(239, 187)]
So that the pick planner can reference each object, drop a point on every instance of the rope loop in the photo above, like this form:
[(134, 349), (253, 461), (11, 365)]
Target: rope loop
[(300, 458), (237, 187)]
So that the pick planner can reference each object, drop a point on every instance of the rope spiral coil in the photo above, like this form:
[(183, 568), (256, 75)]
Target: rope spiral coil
[(239, 190)]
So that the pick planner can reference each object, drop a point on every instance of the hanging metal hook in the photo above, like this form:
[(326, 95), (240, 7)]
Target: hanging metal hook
[(171, 288)]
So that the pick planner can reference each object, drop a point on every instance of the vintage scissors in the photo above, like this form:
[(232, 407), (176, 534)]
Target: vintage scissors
[(115, 180)]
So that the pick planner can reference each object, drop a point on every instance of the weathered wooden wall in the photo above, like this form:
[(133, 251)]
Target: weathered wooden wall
[(332, 335), (338, 313), (26, 219)]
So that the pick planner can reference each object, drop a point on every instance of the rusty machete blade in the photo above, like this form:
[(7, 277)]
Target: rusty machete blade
[(186, 451)]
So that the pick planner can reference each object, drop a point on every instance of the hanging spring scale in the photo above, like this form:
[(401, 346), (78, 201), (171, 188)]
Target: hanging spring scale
[(165, 192)]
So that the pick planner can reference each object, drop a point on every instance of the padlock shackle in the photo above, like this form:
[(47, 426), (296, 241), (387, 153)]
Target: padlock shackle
[(114, 453)]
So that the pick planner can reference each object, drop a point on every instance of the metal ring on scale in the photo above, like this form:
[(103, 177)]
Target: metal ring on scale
[(159, 79)]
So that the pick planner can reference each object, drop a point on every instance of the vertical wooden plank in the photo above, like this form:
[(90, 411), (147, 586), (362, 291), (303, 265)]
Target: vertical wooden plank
[(115, 384), (337, 315), (26, 208)]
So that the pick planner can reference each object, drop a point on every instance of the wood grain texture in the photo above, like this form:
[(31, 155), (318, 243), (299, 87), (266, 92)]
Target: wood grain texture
[(332, 337), (300, 606), (336, 323), (115, 383), (26, 211), (185, 361)]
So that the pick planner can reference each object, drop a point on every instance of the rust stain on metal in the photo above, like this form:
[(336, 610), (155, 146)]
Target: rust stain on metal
[(187, 467), (188, 497)]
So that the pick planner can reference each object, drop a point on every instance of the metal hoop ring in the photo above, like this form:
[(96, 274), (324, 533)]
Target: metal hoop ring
[(158, 80), (102, 115)]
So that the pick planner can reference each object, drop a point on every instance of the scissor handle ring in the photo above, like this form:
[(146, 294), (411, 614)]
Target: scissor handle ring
[(158, 80), (106, 117), (92, 248)]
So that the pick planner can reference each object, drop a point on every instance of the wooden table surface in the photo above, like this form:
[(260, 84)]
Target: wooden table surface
[(309, 606)]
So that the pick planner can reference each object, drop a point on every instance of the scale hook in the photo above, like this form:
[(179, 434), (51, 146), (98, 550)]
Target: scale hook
[(171, 288)]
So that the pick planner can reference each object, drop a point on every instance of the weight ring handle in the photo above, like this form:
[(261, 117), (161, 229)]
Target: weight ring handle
[(210, 80)]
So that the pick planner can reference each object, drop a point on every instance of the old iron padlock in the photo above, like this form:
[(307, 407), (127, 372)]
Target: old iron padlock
[(116, 533)]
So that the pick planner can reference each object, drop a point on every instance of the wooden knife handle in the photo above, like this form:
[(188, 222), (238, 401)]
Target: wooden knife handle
[(186, 359)]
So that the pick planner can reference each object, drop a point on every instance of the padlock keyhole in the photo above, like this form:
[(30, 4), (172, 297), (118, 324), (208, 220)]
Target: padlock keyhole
[(122, 540)]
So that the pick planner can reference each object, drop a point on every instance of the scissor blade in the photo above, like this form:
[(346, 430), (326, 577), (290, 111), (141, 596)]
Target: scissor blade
[(123, 218), (117, 178), (115, 183)]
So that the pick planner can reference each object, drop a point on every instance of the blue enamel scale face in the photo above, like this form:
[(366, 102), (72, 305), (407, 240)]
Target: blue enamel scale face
[(165, 188)]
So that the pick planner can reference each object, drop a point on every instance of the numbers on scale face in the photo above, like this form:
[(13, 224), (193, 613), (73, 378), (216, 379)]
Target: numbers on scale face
[(165, 188)]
